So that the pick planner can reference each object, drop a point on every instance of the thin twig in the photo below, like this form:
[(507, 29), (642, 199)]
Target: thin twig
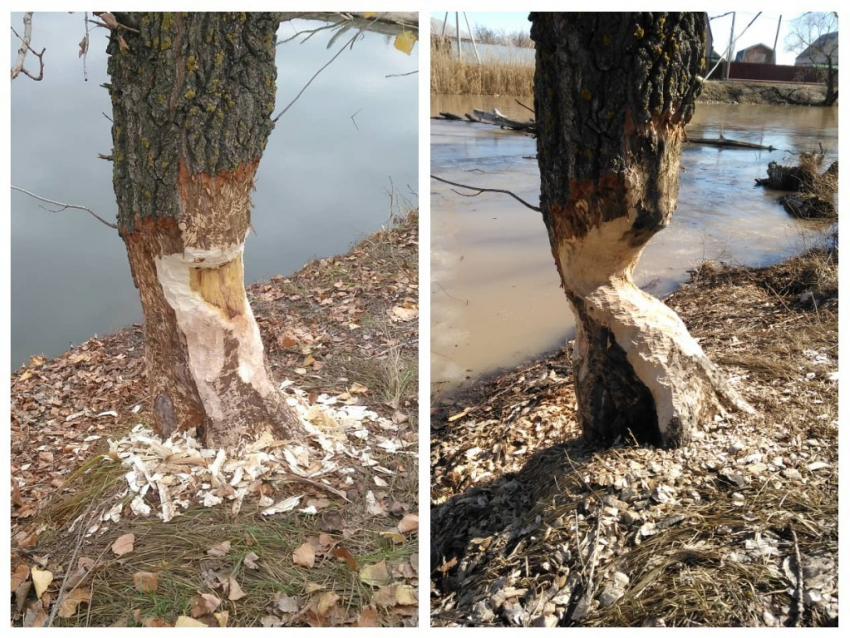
[(401, 75), (25, 48), (310, 32), (65, 206), (523, 105), (353, 121), (488, 190), (80, 536), (801, 608), (325, 66)]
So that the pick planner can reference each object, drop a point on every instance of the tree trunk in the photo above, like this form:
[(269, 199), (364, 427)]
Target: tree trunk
[(831, 91), (192, 97), (612, 93)]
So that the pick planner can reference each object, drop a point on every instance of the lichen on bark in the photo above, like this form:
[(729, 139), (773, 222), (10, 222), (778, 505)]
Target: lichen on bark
[(192, 90)]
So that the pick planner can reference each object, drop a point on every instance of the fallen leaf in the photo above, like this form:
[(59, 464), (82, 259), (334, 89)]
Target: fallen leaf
[(271, 621), (343, 554), (35, 615), (19, 576), (70, 602), (286, 604), (409, 523), (326, 601), (368, 617), (21, 594), (304, 555), (157, 622), (146, 581), (219, 550), (250, 560), (399, 417), (379, 481), (123, 544), (358, 388), (400, 313), (26, 375), (122, 43), (203, 604), (185, 621), (221, 617), (406, 595), (393, 536), (376, 575), (235, 591), (37, 360), (41, 578)]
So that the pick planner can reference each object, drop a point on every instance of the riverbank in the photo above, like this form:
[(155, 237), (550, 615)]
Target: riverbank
[(742, 92), (450, 76), (532, 527), (344, 331)]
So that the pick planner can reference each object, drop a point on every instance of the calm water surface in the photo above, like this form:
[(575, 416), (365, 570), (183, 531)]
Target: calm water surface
[(495, 295), (322, 182)]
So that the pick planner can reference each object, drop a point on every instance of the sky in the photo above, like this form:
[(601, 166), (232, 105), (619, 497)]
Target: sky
[(762, 31)]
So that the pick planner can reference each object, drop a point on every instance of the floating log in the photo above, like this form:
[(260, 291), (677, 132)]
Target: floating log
[(498, 119), (722, 142)]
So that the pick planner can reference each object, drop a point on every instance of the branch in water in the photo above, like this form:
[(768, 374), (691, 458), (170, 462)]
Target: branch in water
[(65, 206), (487, 190)]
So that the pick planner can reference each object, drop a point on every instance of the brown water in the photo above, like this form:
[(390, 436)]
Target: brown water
[(495, 295)]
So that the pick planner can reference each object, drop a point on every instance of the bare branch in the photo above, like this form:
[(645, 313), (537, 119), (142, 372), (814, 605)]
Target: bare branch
[(325, 66), (25, 48), (488, 190), (523, 105), (63, 206), (401, 75)]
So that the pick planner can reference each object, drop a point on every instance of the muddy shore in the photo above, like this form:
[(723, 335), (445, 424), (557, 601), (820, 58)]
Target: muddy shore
[(533, 527), (741, 92)]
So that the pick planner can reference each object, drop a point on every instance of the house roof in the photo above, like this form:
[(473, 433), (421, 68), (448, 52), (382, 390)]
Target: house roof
[(816, 52), (739, 56)]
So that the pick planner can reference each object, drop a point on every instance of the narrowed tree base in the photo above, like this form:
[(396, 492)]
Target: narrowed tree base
[(638, 371)]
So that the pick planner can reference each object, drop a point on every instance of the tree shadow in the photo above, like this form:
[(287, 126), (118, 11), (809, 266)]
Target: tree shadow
[(465, 526)]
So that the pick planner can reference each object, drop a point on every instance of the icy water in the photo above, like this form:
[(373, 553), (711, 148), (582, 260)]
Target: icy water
[(495, 295), (322, 182)]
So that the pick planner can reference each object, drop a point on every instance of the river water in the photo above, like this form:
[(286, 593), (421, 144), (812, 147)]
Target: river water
[(322, 182), (495, 295)]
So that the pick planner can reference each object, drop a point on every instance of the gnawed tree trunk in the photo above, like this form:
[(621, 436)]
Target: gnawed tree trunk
[(612, 95), (192, 96)]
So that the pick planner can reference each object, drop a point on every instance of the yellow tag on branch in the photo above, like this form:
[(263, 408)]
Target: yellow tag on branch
[(404, 42)]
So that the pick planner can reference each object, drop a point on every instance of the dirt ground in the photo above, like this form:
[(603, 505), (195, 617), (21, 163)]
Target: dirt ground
[(533, 527), (740, 92), (89, 551)]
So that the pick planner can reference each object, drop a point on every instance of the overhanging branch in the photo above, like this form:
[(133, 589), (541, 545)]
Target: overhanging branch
[(64, 206), (487, 190)]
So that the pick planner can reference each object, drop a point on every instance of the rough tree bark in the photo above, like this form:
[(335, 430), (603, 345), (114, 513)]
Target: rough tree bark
[(192, 96), (612, 94)]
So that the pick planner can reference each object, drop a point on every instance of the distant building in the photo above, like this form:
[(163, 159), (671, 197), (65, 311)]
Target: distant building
[(758, 53), (817, 52)]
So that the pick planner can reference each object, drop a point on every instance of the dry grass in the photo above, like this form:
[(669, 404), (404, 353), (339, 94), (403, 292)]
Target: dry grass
[(177, 552), (450, 76)]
